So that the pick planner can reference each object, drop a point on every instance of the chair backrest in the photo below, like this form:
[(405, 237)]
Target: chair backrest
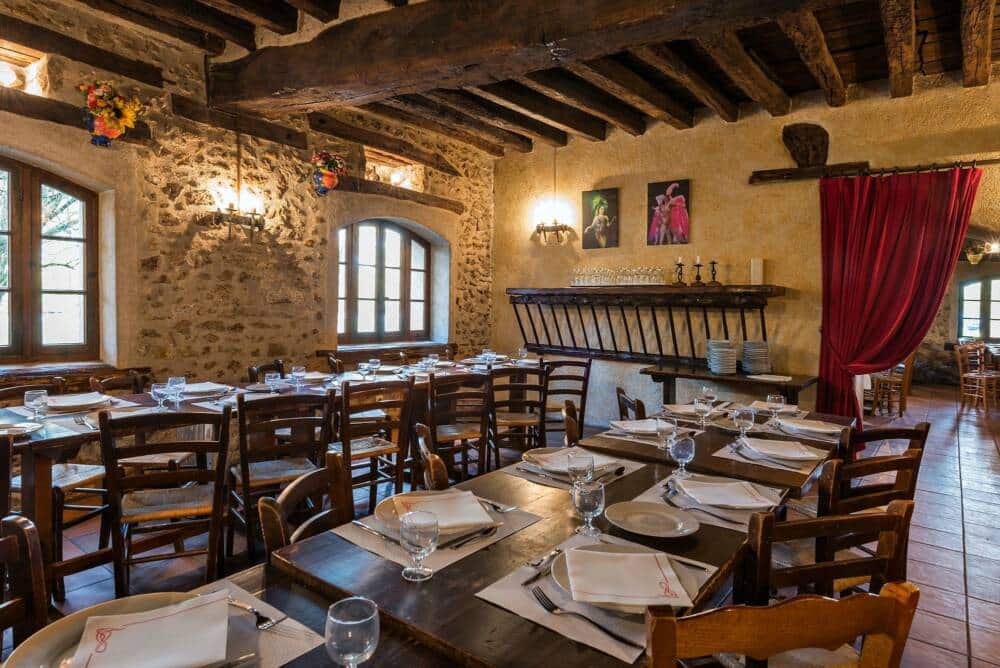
[(54, 385), (887, 564), (458, 398), (571, 424), (256, 372), (336, 365), (277, 515), (907, 376), (519, 390), (392, 397), (569, 380), (25, 603), (970, 358), (435, 472), (847, 488), (629, 408), (308, 419), (132, 382), (852, 440), (803, 622)]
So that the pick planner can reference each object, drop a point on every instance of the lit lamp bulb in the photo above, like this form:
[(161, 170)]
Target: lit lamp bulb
[(9, 76)]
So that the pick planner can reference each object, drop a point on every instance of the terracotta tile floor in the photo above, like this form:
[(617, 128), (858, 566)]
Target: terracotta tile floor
[(954, 548)]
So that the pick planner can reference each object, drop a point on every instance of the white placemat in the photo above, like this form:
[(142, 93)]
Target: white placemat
[(804, 468), (773, 427), (115, 403), (727, 518), (526, 471), (682, 432)]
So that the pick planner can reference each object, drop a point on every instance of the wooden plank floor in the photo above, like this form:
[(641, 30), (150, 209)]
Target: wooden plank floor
[(954, 546)]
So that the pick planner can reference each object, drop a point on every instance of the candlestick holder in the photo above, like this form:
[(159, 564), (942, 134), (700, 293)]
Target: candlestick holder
[(679, 270), (697, 276), (713, 282)]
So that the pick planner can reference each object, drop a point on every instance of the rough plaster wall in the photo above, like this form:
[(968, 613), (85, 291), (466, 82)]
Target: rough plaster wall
[(730, 220)]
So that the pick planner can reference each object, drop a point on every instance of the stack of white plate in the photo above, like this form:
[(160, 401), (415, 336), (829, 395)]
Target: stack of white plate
[(721, 356), (756, 357)]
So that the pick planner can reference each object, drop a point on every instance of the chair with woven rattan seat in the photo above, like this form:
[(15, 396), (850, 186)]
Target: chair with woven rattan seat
[(375, 450), (256, 372), (805, 631), (435, 473), (458, 414), (629, 408), (567, 380), (517, 409), (25, 604), (296, 503), (280, 439), (892, 387), (169, 505), (978, 383)]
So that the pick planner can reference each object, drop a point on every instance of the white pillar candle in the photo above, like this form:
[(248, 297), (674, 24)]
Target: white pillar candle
[(697, 259), (756, 271), (678, 259)]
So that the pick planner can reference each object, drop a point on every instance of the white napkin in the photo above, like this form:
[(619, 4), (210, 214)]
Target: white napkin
[(762, 406), (65, 402), (682, 409), (456, 510), (204, 388), (160, 638), (810, 426), (792, 450), (647, 426), (313, 376), (558, 461), (737, 494), (625, 579)]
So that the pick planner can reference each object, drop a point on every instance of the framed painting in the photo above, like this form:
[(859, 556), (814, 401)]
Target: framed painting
[(600, 218), (668, 212)]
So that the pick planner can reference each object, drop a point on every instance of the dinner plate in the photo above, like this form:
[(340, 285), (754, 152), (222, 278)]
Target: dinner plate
[(651, 519), (53, 646), (262, 387), (206, 388), (561, 575), (385, 511), (17, 429), (69, 407)]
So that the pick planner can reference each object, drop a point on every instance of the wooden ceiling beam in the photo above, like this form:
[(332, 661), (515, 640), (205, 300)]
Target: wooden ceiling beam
[(899, 24), (200, 17), (502, 117), (194, 110), (457, 134), (56, 111), (422, 106), (663, 59), (524, 100), (359, 185), (977, 41), (573, 91), (275, 15), (431, 45), (633, 88), (324, 10), (804, 31), (728, 52), (382, 142), (207, 42)]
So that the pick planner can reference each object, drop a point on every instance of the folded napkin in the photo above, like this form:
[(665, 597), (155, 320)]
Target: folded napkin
[(314, 376), (771, 378), (456, 510), (811, 426), (160, 638), (558, 461), (64, 402), (647, 426), (205, 388), (737, 494), (791, 450), (682, 409), (625, 579), (762, 406)]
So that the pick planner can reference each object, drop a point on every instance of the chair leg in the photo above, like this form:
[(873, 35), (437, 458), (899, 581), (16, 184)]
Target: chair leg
[(179, 543), (465, 459), (58, 509), (372, 484), (118, 549), (250, 525), (398, 471), (230, 525)]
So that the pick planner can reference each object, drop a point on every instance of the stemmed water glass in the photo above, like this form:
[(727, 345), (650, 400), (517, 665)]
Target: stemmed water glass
[(743, 418), (363, 370), (522, 353), (702, 408), (588, 499), (682, 452), (666, 430), (160, 392), (36, 400), (374, 365), (352, 631), (418, 533), (775, 402), (298, 377), (580, 467), (272, 380), (176, 385), (433, 359)]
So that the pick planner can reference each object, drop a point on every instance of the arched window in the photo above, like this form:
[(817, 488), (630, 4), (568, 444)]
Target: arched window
[(48, 267), (383, 288), (979, 309)]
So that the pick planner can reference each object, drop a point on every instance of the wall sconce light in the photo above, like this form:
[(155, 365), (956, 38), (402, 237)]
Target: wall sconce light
[(252, 222), (974, 254), (555, 227)]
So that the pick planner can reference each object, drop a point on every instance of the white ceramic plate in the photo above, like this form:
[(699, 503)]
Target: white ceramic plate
[(206, 388), (262, 387), (54, 645), (651, 519), (561, 575), (385, 512), (19, 428), (810, 426)]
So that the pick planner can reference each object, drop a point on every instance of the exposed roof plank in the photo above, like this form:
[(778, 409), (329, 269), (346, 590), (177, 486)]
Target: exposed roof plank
[(417, 104), (405, 117), (494, 114), (275, 15), (56, 111), (728, 52), (324, 10), (899, 24), (355, 184), (382, 142), (212, 44), (581, 94), (977, 41), (804, 31), (634, 89), (258, 127), (524, 100), (664, 59), (199, 17)]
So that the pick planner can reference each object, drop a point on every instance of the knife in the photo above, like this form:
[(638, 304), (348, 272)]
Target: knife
[(375, 532)]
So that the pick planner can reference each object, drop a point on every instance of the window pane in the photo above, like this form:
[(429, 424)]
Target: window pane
[(366, 244), (62, 319), (62, 265), (995, 289), (342, 245), (4, 318), (391, 314), (416, 316), (4, 260), (417, 254), (4, 200), (392, 283), (970, 328), (393, 247), (970, 309), (341, 316), (995, 310), (995, 329), (972, 291), (366, 316), (342, 281), (62, 214), (366, 282), (416, 285)]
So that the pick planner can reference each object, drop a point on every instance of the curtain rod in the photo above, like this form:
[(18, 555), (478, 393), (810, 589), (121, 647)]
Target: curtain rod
[(932, 167)]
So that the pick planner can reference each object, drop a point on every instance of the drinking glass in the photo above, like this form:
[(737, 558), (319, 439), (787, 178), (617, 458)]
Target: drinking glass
[(702, 407), (298, 377), (522, 353), (580, 467), (666, 431), (272, 380), (433, 358), (363, 370), (374, 365), (36, 400), (588, 499), (418, 533), (743, 418), (160, 392), (352, 631), (709, 394), (682, 452), (775, 402), (176, 385)]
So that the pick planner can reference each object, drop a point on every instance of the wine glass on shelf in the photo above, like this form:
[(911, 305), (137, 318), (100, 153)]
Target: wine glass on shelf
[(298, 377), (418, 533), (775, 404), (743, 418), (682, 452), (352, 631), (666, 430), (36, 400), (161, 393), (588, 499)]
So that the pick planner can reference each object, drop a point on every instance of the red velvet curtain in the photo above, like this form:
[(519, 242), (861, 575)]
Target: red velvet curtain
[(890, 244)]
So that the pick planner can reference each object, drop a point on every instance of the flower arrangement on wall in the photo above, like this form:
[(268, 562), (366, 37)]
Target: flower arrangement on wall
[(108, 114), (327, 170)]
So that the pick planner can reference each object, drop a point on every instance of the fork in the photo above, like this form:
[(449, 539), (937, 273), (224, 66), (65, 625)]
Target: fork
[(263, 622), (84, 422), (671, 492), (497, 506), (740, 449), (554, 609)]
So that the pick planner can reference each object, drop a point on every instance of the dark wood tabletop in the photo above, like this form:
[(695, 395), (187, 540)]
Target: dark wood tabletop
[(669, 373)]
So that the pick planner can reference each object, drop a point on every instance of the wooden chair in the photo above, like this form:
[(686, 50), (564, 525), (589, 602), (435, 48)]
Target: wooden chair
[(269, 460), (567, 380), (170, 504), (629, 408), (458, 417), (14, 394), (295, 502), (25, 603), (132, 382), (977, 383), (375, 448), (571, 424), (791, 633), (434, 470), (891, 388), (256, 373), (336, 366), (517, 409)]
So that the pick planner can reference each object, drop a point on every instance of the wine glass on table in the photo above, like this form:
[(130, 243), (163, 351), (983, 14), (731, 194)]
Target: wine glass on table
[(36, 400), (682, 452), (666, 431), (363, 370), (176, 385), (775, 404), (702, 408), (374, 364), (352, 631), (418, 533), (580, 467), (588, 499), (160, 392), (743, 418), (298, 377), (272, 380)]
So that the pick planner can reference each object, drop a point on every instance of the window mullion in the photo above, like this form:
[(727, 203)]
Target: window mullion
[(984, 309)]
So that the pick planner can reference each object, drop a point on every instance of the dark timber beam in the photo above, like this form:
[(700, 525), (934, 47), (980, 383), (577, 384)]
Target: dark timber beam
[(524, 100), (633, 88), (576, 92), (467, 43), (502, 117), (899, 24), (417, 104), (804, 31), (355, 184), (211, 44), (250, 125), (324, 10), (275, 15), (727, 51), (57, 111), (663, 59), (381, 142), (200, 17), (48, 41), (451, 132), (977, 38)]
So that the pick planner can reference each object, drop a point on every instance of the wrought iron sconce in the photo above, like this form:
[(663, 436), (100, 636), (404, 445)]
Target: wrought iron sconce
[(251, 222), (555, 227)]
